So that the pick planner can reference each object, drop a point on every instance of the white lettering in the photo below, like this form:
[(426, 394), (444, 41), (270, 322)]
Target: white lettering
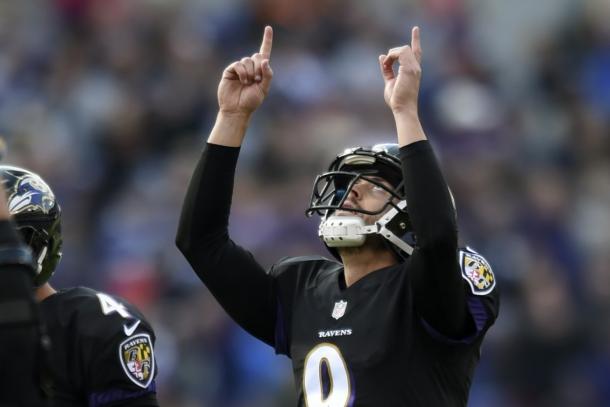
[(335, 332), (134, 343)]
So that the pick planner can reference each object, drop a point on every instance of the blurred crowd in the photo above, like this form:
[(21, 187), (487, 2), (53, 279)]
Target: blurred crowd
[(111, 102)]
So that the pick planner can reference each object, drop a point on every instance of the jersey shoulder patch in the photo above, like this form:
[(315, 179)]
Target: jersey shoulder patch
[(477, 272), (137, 358)]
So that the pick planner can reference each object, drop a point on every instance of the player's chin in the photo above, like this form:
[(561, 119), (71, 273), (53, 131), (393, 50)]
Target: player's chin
[(371, 219)]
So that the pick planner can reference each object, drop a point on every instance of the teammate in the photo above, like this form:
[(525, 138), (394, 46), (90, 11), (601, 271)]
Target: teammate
[(20, 337), (399, 319), (101, 347)]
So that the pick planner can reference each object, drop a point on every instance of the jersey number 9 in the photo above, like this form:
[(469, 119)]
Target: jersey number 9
[(326, 379)]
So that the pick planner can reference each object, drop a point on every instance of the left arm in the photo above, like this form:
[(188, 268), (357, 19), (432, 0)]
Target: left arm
[(439, 292), (438, 289)]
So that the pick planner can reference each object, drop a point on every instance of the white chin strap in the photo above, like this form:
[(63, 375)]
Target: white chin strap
[(350, 231)]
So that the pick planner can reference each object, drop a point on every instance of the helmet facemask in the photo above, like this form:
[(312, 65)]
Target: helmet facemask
[(44, 238), (332, 188)]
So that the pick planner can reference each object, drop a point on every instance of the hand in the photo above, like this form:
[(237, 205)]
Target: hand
[(401, 91), (245, 83)]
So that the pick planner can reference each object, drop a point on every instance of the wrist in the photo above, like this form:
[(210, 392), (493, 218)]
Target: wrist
[(233, 116), (229, 129), (406, 113), (408, 127)]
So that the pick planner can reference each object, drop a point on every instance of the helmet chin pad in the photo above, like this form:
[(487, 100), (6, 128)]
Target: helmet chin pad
[(351, 231), (344, 231)]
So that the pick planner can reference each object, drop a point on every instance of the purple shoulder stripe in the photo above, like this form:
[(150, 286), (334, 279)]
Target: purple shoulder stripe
[(110, 396), (479, 316)]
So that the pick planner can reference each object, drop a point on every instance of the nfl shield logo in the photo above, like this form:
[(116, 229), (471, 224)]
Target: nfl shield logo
[(339, 309)]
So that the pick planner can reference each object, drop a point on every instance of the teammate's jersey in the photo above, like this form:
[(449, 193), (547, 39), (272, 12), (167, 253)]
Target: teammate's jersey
[(101, 350), (365, 345)]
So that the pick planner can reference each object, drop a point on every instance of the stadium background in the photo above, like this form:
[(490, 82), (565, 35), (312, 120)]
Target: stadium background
[(111, 100)]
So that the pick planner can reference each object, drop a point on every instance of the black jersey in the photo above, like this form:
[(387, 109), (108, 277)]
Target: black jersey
[(406, 335), (101, 350), (366, 345)]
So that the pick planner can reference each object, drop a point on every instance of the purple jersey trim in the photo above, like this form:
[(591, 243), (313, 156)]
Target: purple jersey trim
[(113, 395), (352, 397), (281, 341), (479, 316)]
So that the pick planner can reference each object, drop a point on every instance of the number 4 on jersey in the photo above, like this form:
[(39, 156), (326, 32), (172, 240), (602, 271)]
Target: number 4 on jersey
[(110, 305)]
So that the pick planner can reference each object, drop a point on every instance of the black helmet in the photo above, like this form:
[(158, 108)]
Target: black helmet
[(32, 204), (332, 188)]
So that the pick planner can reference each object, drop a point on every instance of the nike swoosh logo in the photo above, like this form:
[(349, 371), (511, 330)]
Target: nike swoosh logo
[(131, 329)]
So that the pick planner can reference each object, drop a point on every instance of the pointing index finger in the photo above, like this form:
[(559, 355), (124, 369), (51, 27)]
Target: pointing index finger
[(415, 43), (267, 43)]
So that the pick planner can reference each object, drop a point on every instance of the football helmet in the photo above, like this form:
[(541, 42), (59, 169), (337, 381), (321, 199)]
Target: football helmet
[(331, 189), (33, 206)]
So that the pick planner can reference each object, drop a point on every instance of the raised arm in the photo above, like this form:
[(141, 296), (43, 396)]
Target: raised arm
[(438, 287), (231, 273)]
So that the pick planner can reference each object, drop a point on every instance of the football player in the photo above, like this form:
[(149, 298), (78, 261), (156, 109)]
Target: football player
[(21, 348), (101, 346), (398, 318)]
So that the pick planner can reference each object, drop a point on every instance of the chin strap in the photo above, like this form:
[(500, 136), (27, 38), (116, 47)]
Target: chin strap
[(350, 231)]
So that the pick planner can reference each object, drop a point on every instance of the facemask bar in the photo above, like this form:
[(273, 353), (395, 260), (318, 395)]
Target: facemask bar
[(325, 188), (38, 241)]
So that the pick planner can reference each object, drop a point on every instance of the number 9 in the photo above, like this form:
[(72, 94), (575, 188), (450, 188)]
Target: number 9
[(330, 387)]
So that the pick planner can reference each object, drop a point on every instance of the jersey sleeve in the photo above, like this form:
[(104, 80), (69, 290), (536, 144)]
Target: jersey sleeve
[(482, 296), (446, 295), (118, 353), (238, 282), (437, 287), (480, 286)]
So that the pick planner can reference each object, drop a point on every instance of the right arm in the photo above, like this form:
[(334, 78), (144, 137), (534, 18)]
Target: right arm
[(439, 292), (231, 273)]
